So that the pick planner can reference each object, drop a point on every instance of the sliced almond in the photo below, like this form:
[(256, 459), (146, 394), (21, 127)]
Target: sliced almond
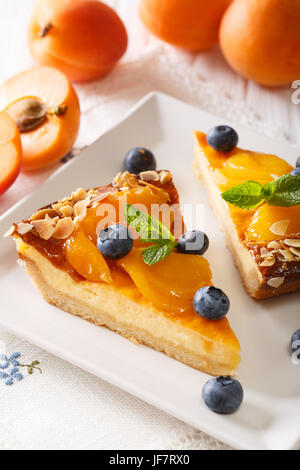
[(285, 266), (287, 255), (45, 227), (165, 177), (264, 253), (41, 214), (24, 227), (279, 228), (295, 251), (293, 242), (80, 208), (9, 232), (269, 261), (149, 176), (67, 210), (276, 282), (63, 229), (78, 195), (274, 245)]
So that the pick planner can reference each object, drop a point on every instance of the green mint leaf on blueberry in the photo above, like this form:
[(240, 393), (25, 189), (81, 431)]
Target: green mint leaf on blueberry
[(283, 192)]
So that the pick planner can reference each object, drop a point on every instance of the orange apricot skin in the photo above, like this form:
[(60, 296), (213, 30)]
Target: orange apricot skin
[(260, 40), (86, 40), (10, 152), (188, 24), (51, 141)]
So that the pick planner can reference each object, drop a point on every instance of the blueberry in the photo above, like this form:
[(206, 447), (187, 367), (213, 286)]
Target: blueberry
[(193, 242), (139, 159), (223, 395), (298, 162), (295, 172), (114, 242), (222, 138), (211, 303), (295, 342)]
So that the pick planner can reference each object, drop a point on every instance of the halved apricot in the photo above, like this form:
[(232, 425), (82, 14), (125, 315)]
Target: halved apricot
[(46, 110), (86, 259), (171, 283), (10, 152), (83, 38)]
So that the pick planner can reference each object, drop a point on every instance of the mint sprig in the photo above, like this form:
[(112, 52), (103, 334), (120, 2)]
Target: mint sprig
[(151, 230), (283, 192)]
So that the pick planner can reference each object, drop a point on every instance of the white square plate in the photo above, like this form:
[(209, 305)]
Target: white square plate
[(270, 415)]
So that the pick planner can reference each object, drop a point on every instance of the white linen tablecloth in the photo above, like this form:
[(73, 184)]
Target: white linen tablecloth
[(65, 407)]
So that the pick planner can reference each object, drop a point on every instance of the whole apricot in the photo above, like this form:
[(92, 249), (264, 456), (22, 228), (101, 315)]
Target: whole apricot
[(45, 109), (260, 39), (82, 38), (190, 24)]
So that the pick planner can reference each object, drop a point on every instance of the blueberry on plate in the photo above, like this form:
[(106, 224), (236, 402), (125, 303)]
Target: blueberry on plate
[(222, 138), (139, 159), (295, 172), (193, 242), (295, 342), (223, 395), (114, 242), (211, 303), (298, 162)]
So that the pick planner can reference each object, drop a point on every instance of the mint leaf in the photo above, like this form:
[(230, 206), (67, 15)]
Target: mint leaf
[(284, 191), (246, 196), (149, 228), (155, 253)]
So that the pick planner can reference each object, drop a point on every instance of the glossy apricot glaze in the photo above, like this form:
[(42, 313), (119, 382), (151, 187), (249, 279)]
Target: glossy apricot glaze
[(237, 167)]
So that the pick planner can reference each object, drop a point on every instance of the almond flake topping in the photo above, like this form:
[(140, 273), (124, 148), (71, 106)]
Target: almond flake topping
[(287, 255), (80, 208), (295, 251), (149, 176), (274, 245), (269, 261), (9, 232), (125, 179), (63, 228), (41, 214), (165, 177), (279, 228), (276, 282), (264, 253), (24, 228), (78, 195), (293, 242), (45, 227)]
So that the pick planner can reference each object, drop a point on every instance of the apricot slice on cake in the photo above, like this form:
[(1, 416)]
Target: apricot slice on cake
[(46, 110), (83, 38), (10, 152)]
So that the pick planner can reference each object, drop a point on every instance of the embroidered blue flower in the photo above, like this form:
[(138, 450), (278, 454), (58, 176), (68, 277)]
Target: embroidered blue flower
[(9, 368)]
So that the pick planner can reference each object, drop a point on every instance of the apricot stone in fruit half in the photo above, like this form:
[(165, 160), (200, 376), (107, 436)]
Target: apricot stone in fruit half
[(10, 152), (190, 24), (45, 108), (260, 39), (82, 38)]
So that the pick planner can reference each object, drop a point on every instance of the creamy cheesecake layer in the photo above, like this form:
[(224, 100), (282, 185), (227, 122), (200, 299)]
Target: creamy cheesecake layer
[(208, 346)]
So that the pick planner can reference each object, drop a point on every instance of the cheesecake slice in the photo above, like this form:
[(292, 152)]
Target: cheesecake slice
[(151, 305), (264, 241)]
